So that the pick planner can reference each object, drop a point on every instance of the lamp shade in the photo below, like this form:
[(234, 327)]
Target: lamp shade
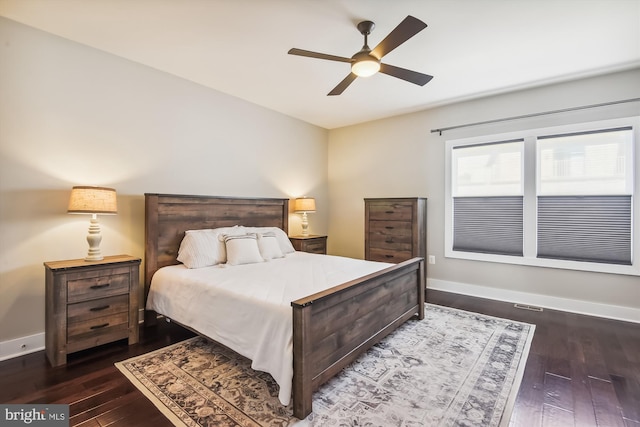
[(93, 200), (305, 204)]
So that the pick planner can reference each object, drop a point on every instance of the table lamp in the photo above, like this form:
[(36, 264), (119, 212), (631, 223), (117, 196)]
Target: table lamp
[(304, 205), (94, 201)]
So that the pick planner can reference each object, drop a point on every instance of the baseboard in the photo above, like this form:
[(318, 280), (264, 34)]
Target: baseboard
[(627, 314), (30, 344), (21, 346)]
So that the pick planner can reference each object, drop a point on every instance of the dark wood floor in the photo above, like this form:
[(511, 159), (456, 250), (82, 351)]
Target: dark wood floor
[(581, 371)]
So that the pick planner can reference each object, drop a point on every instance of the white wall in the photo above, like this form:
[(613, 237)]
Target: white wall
[(400, 157), (72, 115)]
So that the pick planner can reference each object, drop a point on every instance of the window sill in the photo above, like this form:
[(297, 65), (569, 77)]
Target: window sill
[(628, 270)]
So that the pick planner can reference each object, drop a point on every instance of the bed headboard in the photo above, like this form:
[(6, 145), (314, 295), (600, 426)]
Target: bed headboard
[(168, 216)]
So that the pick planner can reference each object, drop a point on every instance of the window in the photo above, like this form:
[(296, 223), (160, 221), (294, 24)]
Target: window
[(561, 197), (487, 198), (585, 184)]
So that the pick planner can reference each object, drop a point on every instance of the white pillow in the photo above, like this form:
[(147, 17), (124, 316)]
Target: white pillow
[(283, 240), (269, 246), (199, 248), (220, 232), (242, 249), (203, 248)]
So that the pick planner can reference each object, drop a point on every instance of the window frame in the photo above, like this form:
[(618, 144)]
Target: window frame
[(529, 257)]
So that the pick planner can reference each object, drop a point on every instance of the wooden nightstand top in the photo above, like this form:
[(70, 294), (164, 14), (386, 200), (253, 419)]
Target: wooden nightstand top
[(311, 236), (75, 263)]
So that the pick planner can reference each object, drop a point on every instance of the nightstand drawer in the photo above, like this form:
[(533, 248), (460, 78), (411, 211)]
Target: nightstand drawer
[(317, 247), (98, 331), (107, 283), (391, 211), (99, 325), (314, 244), (83, 311)]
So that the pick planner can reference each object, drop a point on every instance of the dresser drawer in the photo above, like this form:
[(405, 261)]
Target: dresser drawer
[(391, 228), (391, 211), (390, 242), (92, 309), (98, 285), (388, 255)]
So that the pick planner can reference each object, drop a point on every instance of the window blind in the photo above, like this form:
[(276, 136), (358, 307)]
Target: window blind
[(585, 228), (491, 225)]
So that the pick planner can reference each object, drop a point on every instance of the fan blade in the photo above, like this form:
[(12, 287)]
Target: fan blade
[(317, 55), (403, 32), (343, 85), (404, 74)]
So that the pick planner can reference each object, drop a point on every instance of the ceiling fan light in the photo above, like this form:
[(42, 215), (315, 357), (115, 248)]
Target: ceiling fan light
[(365, 67)]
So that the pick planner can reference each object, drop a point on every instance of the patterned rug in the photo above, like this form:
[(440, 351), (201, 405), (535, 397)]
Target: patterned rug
[(454, 368)]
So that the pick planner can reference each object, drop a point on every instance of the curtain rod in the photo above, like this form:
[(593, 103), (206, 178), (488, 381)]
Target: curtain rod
[(526, 116)]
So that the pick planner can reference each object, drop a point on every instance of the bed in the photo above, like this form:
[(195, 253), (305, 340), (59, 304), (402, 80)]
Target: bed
[(330, 328)]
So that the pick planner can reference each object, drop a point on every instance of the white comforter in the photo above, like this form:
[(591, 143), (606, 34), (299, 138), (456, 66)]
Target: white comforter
[(248, 307)]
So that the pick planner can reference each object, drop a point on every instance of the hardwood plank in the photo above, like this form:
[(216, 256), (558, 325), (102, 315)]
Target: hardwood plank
[(555, 417), (628, 393), (529, 402), (558, 392), (605, 403), (583, 410)]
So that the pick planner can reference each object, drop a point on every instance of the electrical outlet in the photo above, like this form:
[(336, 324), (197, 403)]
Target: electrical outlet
[(432, 259)]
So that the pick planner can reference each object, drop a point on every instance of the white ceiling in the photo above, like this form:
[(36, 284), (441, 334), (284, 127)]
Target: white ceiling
[(472, 48)]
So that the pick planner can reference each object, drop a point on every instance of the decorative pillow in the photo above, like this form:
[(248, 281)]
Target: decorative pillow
[(199, 248), (269, 246), (242, 249), (283, 240), (220, 232)]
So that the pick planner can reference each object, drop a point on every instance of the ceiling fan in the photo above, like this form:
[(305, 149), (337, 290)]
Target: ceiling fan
[(366, 62)]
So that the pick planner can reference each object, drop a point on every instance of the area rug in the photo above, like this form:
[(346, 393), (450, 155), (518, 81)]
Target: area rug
[(454, 368)]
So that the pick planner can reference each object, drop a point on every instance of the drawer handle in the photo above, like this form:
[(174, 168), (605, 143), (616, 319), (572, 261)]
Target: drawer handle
[(389, 241), (388, 256), (102, 307), (99, 326), (389, 212), (106, 285), (388, 227)]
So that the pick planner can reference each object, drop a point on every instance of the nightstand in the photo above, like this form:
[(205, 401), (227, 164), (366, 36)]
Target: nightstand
[(313, 243), (90, 304)]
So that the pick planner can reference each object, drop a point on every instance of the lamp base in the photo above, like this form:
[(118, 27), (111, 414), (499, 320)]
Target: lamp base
[(94, 238), (305, 224)]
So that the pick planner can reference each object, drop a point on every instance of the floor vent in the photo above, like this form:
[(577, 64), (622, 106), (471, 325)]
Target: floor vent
[(527, 307)]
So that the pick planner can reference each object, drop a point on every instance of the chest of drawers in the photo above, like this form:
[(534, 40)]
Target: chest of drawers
[(90, 304), (395, 229)]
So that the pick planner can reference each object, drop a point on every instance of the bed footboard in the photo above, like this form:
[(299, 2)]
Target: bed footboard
[(332, 328)]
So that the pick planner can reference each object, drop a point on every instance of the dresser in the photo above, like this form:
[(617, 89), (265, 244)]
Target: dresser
[(395, 229), (90, 304), (314, 244)]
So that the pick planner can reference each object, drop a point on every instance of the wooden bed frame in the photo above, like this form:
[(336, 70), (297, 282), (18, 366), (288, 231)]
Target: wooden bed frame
[(330, 328)]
